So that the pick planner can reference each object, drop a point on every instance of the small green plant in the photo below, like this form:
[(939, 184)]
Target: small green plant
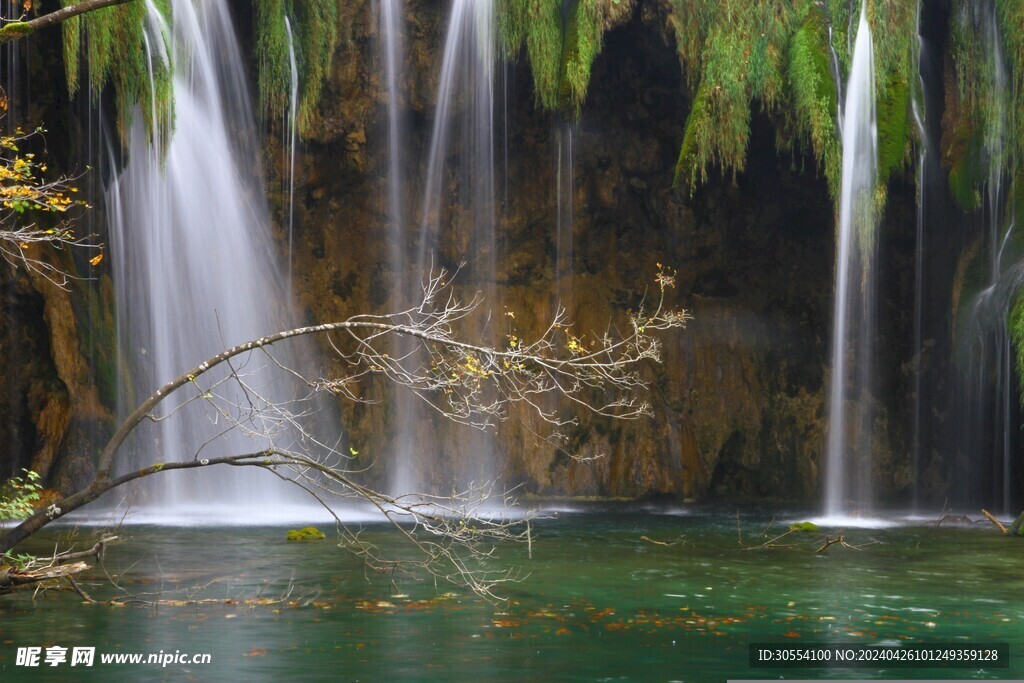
[(18, 496), (18, 563), (803, 526)]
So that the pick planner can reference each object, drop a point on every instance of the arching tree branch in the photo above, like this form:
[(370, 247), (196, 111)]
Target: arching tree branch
[(469, 383)]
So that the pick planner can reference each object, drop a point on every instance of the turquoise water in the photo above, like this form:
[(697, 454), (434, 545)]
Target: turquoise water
[(598, 603)]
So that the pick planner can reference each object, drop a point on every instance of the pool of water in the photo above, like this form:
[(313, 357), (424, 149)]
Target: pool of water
[(600, 600)]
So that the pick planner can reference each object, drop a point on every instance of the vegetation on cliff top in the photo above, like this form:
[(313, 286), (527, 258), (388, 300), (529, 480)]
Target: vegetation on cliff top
[(118, 46)]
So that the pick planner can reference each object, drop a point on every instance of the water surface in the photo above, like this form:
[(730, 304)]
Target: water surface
[(601, 601)]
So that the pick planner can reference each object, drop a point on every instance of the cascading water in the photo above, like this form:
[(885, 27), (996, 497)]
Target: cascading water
[(292, 128), (565, 208), (848, 450), (925, 155), (459, 204), (987, 381), (404, 475), (195, 268)]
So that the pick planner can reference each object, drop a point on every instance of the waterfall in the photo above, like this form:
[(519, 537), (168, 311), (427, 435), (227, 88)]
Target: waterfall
[(404, 475), (292, 126), (457, 223), (848, 450), (987, 396), (565, 211), (196, 271), (919, 107)]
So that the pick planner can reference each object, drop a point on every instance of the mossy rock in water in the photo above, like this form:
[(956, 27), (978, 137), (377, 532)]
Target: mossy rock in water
[(803, 526), (310, 533)]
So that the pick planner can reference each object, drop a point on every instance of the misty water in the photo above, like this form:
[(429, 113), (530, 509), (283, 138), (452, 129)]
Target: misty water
[(600, 599)]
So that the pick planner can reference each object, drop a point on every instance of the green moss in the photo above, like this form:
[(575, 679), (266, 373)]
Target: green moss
[(814, 106), (1010, 14), (113, 41), (309, 533), (893, 116), (986, 108), (314, 36), (965, 178), (72, 46), (687, 164), (318, 36), (15, 29), (1016, 325), (272, 50), (804, 526), (733, 54), (838, 13), (561, 46)]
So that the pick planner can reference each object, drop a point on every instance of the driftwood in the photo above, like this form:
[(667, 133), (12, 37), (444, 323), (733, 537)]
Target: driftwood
[(995, 521), (56, 567), (11, 579)]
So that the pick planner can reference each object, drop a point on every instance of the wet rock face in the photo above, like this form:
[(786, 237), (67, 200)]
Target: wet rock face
[(34, 402), (739, 397)]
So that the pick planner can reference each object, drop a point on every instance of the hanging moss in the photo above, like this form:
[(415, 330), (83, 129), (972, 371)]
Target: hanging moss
[(893, 122), (814, 106), (696, 126), (561, 41), (894, 35), (777, 55), (987, 129), (113, 41), (733, 53), (1010, 14), (839, 17), (537, 26), (314, 34), (72, 46), (274, 79), (318, 36), (1016, 327)]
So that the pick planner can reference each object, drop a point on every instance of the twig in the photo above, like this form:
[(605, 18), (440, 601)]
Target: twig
[(953, 518), (830, 542), (80, 591)]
